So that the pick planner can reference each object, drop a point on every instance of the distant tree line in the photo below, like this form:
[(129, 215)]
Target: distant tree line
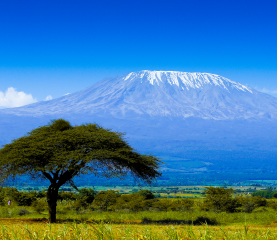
[(216, 199), (222, 200), (268, 193)]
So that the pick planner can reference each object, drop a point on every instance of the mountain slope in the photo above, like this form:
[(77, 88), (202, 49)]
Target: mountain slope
[(161, 93), (188, 119)]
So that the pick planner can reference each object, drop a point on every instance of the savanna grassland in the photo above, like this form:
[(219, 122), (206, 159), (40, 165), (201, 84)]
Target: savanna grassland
[(219, 213), (33, 230)]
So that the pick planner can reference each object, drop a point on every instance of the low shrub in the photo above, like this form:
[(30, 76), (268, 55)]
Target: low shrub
[(146, 194), (23, 199), (272, 204), (181, 205), (132, 202), (87, 194), (5, 213), (80, 204), (104, 200), (22, 212), (204, 220), (39, 206)]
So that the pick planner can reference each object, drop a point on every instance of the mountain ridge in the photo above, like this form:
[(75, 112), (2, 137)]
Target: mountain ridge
[(189, 79), (225, 125), (161, 93)]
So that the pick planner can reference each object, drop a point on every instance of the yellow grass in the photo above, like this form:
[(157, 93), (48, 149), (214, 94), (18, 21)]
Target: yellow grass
[(20, 229)]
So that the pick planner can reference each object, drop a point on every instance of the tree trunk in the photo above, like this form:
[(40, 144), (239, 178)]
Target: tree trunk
[(52, 197)]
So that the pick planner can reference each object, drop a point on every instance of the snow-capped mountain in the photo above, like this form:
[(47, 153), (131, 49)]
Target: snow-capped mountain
[(200, 121), (161, 93)]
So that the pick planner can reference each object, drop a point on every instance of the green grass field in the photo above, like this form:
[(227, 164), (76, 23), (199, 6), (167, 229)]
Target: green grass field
[(89, 222), (261, 224)]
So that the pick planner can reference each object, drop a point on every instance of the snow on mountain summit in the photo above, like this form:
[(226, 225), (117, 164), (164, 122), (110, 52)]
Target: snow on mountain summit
[(185, 79), (161, 94)]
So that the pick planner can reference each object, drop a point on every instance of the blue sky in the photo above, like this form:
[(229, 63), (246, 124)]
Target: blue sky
[(50, 48)]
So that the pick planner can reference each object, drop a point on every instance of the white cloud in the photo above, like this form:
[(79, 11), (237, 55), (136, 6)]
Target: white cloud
[(49, 97), (12, 98), (66, 94)]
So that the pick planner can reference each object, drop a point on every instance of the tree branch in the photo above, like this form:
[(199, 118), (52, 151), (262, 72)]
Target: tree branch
[(48, 176)]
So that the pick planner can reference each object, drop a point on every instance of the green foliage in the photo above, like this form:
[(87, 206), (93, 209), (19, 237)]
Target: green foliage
[(23, 199), (181, 205), (59, 152), (265, 194), (9, 212), (133, 202), (39, 206), (163, 204), (147, 194), (7, 191), (112, 201), (272, 204), (2, 199), (249, 204), (173, 204), (67, 196), (79, 204), (41, 194), (248, 207), (87, 195), (104, 200), (220, 199)]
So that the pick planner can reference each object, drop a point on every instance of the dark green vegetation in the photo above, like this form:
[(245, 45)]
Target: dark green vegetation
[(268, 193), (60, 152), (219, 206)]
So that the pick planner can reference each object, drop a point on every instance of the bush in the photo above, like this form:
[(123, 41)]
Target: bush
[(80, 204), (272, 204), (104, 200), (146, 194), (87, 195), (248, 207), (22, 212), (261, 209), (181, 205), (265, 194), (204, 220), (5, 213), (2, 199), (67, 196), (259, 201), (133, 202), (6, 194), (163, 204), (249, 204), (220, 200), (23, 199), (39, 206), (41, 194)]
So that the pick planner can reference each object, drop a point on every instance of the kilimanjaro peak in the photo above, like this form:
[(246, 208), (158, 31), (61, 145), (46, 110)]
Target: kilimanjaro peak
[(161, 94), (199, 118), (185, 79)]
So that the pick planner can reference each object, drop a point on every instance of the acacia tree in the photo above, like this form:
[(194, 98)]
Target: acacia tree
[(59, 152)]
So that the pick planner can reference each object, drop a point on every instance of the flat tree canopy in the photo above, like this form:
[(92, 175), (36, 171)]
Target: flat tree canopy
[(59, 152)]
